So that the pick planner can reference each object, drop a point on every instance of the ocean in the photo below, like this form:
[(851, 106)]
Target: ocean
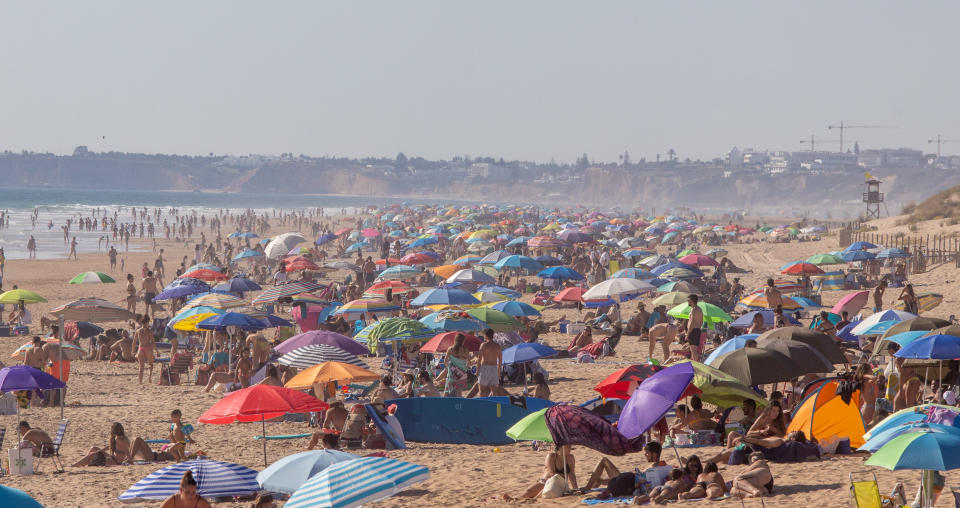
[(58, 205)]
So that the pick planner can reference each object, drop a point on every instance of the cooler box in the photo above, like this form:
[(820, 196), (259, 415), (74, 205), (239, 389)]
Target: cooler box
[(575, 328), (21, 461)]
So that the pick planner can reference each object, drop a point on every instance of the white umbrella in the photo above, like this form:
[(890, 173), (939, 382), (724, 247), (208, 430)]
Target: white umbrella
[(471, 276), (886, 315), (615, 288), (280, 245)]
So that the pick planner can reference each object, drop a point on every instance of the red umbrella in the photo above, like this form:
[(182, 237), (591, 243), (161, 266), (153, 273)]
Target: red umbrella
[(418, 258), (571, 294), (205, 275), (621, 383), (803, 269), (444, 341), (699, 260), (393, 261), (261, 403), (342, 231), (300, 263)]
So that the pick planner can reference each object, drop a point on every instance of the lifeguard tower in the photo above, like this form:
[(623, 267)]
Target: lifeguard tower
[(872, 197)]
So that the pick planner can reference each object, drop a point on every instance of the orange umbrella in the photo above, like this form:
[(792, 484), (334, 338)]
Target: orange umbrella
[(571, 294), (300, 263), (330, 371), (204, 274), (446, 271)]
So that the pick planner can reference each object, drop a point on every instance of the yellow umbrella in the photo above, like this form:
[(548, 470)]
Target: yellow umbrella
[(189, 324), (446, 271), (330, 371), (490, 297), (447, 306)]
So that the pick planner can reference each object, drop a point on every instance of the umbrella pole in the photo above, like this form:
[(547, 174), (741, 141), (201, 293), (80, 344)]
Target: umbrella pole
[(60, 363), (674, 446), (263, 426)]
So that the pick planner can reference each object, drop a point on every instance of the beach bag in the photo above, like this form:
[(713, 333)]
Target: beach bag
[(622, 485), (554, 487)]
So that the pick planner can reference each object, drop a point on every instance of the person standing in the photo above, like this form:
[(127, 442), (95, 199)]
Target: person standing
[(878, 295), (73, 249), (774, 298), (695, 327), (112, 255), (149, 287), (489, 364)]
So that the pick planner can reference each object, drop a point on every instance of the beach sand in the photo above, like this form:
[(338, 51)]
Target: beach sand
[(101, 393)]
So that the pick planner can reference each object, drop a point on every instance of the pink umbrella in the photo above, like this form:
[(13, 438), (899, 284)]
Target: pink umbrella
[(370, 233), (852, 302), (699, 260)]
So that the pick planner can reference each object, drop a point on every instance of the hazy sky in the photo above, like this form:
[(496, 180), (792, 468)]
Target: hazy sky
[(517, 79)]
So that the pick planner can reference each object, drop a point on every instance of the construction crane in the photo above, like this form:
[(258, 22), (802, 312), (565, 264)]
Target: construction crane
[(813, 142), (939, 141), (844, 126)]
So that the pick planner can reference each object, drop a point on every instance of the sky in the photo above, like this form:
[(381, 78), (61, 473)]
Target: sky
[(532, 80)]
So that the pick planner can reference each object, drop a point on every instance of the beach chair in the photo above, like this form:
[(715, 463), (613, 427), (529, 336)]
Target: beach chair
[(866, 494), (52, 450), (3, 434), (180, 364)]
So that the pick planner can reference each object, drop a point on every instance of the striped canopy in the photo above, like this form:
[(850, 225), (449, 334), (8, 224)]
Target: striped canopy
[(214, 479), (288, 288), (308, 356), (357, 482), (215, 300), (92, 278), (92, 309)]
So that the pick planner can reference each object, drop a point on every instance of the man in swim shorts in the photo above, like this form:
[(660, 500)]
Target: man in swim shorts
[(489, 364), (694, 327)]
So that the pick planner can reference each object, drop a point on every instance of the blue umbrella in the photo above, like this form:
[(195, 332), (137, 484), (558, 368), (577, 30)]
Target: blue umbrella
[(518, 262), (291, 472), (860, 246), (746, 320), (449, 322), (520, 240), (526, 352), (440, 296), (933, 347), (399, 272), (653, 398), (516, 309), (931, 451), (905, 338), (356, 246), (10, 496), (675, 264), (500, 290), (878, 439), (326, 237), (892, 252), (246, 254), (222, 321), (274, 321), (356, 482), (560, 272), (25, 377), (183, 287), (548, 260), (729, 346), (851, 256), (238, 285), (422, 241), (245, 234), (214, 479), (632, 273)]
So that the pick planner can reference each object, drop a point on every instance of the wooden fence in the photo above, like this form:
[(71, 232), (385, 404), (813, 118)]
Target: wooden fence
[(925, 250)]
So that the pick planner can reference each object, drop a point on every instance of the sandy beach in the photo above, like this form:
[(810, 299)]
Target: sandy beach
[(461, 475)]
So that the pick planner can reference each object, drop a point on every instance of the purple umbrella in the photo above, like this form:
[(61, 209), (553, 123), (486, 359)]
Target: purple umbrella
[(322, 337), (653, 398), (24, 377)]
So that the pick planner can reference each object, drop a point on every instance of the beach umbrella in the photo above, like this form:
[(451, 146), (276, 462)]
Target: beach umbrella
[(908, 416), (215, 300), (653, 398), (379, 290), (367, 306), (281, 244), (803, 355), (184, 286), (398, 329), (234, 319), (571, 294), (851, 302), (441, 342), (497, 320), (285, 289), (681, 273), (357, 482), (500, 290), (901, 339), (892, 253), (419, 258), (205, 275), (291, 472), (616, 289), (246, 234), (816, 339), (10, 496), (893, 316), (729, 345), (746, 320), (298, 251), (214, 479), (15, 296), (925, 302), (325, 238), (719, 388), (442, 296), (932, 347), (23, 377), (203, 266), (757, 301), (399, 272), (330, 372), (526, 352), (470, 276), (322, 337), (856, 255), (711, 313), (299, 263), (484, 297), (754, 366), (681, 286), (621, 383), (92, 278), (494, 257), (671, 299), (308, 356), (802, 269), (260, 403), (920, 323), (544, 242), (238, 285), (451, 321), (695, 259), (516, 309), (665, 268), (574, 236), (784, 285), (446, 271), (71, 351), (859, 246), (532, 427), (517, 262), (879, 439), (560, 272), (825, 259), (275, 321), (91, 309), (923, 449), (632, 273)]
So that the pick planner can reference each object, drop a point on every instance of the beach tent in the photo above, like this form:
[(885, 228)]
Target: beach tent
[(824, 414), (830, 281)]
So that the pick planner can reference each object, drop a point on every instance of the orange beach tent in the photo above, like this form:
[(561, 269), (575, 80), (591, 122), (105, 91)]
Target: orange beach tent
[(823, 414)]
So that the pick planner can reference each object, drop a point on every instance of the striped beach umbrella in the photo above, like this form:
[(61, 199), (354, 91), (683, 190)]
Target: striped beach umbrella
[(451, 321), (366, 306), (399, 272), (92, 278), (379, 290), (758, 301), (308, 356), (358, 482), (92, 309), (287, 288), (214, 479), (289, 473), (215, 300)]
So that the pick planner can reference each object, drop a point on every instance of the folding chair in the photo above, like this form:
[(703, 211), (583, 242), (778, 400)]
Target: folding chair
[(180, 364), (52, 450), (866, 493)]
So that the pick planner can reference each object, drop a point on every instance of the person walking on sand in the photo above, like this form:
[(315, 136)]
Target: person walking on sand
[(149, 288), (489, 364), (773, 295), (73, 248), (878, 295), (145, 351), (695, 327), (32, 248)]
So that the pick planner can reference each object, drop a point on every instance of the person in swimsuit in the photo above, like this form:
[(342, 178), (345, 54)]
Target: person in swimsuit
[(774, 297), (131, 294), (666, 333), (489, 364), (145, 350), (695, 327), (120, 450), (178, 436), (826, 326), (868, 392), (558, 462), (878, 296), (709, 484), (909, 299), (910, 386), (187, 496), (756, 481), (666, 492)]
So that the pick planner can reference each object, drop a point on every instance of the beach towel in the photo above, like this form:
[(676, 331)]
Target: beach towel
[(574, 425), (457, 375)]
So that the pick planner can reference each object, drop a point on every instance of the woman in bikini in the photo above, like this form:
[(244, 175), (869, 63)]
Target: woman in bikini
[(120, 450), (909, 299), (756, 481), (145, 351), (910, 386), (187, 496), (709, 484), (131, 294), (868, 392), (554, 465)]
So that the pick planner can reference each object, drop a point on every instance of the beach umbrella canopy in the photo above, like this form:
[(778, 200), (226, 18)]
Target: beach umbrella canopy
[(499, 321), (516, 309), (419, 258), (825, 259), (441, 296), (325, 238), (729, 345), (399, 272), (247, 254), (612, 289), (711, 313), (10, 496), (802, 268), (936, 451), (446, 271), (851, 302), (665, 268), (470, 276), (367, 306), (92, 309), (755, 366), (203, 266), (21, 295), (653, 398), (768, 316), (285, 289), (205, 275), (308, 356), (859, 246), (920, 323), (925, 302), (493, 257), (901, 339), (92, 278), (719, 388), (571, 294), (574, 236), (621, 383), (260, 402), (322, 337), (932, 347), (757, 301), (695, 259), (330, 371), (517, 262), (441, 342), (215, 300), (299, 263), (856, 255), (559, 272), (879, 439), (816, 339), (184, 286), (910, 415), (681, 286), (23, 377), (671, 299), (291, 472), (280, 245), (804, 355), (526, 352), (379, 289), (238, 285), (214, 479), (451, 321), (357, 482), (532, 427), (893, 316), (632, 273), (227, 319)]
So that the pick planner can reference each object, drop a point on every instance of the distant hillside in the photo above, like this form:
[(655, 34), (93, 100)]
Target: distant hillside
[(944, 204)]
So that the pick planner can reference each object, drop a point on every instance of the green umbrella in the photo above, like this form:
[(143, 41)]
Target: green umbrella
[(686, 253), (532, 427), (711, 313), (682, 286), (672, 298), (497, 320), (21, 295), (825, 259), (92, 278), (680, 273), (721, 389)]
